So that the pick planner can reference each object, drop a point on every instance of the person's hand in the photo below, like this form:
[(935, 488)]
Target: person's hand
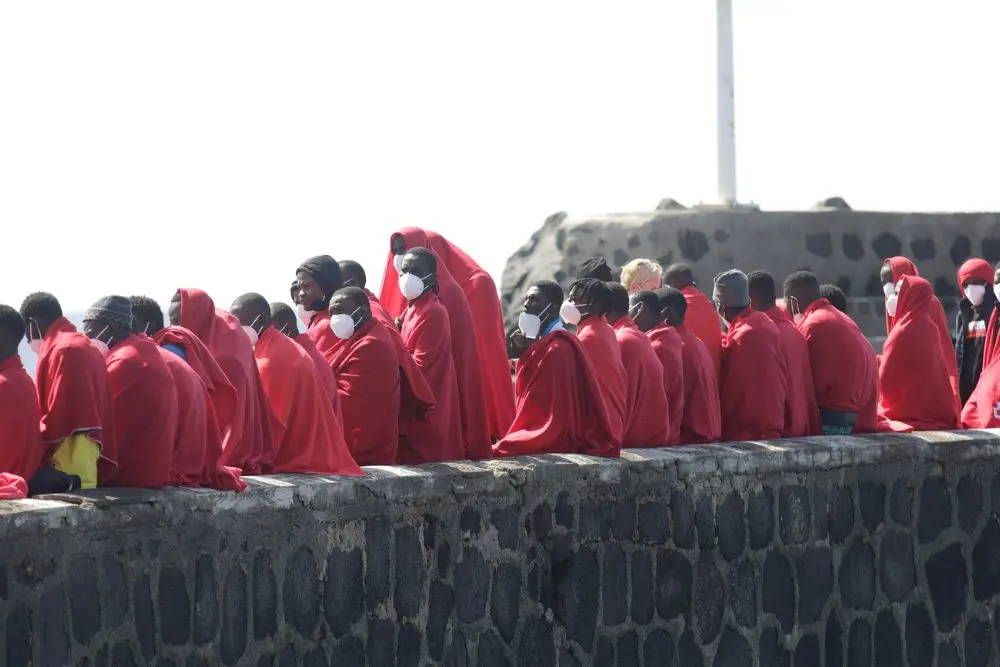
[(399, 323), (517, 343)]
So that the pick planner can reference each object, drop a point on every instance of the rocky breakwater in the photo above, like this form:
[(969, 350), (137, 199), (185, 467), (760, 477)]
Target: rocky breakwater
[(842, 247)]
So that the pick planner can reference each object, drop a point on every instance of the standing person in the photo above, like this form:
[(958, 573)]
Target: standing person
[(586, 308), (648, 414), (308, 436), (283, 319), (975, 279), (843, 363), (142, 394), (701, 320), (476, 430), (560, 406), (426, 330), (21, 448), (73, 395), (642, 275), (914, 385), (801, 413), (669, 351), (752, 383), (246, 425)]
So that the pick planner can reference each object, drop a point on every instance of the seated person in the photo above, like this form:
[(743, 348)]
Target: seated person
[(21, 449)]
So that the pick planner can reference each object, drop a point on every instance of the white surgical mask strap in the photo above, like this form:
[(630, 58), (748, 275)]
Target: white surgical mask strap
[(103, 331), (253, 323)]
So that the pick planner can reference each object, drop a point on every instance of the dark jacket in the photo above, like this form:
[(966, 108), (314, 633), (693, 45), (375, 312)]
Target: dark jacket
[(968, 373)]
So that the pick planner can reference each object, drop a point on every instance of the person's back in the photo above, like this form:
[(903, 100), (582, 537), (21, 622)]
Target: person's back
[(701, 317), (669, 351), (599, 343), (187, 467), (702, 422), (21, 449), (752, 386), (648, 422)]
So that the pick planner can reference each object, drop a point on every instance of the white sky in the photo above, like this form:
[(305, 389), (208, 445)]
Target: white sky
[(146, 146)]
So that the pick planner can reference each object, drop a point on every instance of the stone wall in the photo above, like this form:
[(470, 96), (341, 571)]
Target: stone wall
[(881, 550), (842, 247)]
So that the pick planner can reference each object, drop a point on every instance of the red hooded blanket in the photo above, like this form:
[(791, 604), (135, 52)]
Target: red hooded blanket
[(801, 413), (188, 462), (669, 351), (560, 406), (915, 392), (324, 370), (647, 411), (702, 420), (704, 323), (598, 341), (21, 448), (752, 386)]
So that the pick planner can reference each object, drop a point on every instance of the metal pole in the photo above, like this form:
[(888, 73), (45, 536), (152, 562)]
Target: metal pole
[(726, 109)]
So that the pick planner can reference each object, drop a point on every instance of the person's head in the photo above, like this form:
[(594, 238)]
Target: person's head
[(892, 270), (588, 297), (353, 274), (349, 311), (540, 308), (318, 278), (673, 305), (283, 319), (174, 309), (417, 273), (596, 268), (731, 294), (763, 293), (975, 280), (11, 331), (108, 322), (835, 296), (801, 290), (619, 302), (254, 313), (147, 316), (645, 309), (294, 292), (678, 276), (39, 311), (642, 274)]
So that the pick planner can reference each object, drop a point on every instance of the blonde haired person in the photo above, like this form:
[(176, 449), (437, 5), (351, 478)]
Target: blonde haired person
[(641, 275)]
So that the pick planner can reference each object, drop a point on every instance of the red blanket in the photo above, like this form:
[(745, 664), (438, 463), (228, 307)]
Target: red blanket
[(648, 414), (21, 448), (324, 370), (982, 410), (752, 386), (560, 406), (669, 351), (703, 322), (801, 413), (188, 462), (914, 384), (702, 421), (598, 341)]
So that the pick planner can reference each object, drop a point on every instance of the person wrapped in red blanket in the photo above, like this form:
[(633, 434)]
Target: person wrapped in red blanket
[(669, 351), (560, 407), (21, 448), (284, 320), (702, 319), (974, 339)]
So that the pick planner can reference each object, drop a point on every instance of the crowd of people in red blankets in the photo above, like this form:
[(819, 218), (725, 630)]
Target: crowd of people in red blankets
[(421, 372)]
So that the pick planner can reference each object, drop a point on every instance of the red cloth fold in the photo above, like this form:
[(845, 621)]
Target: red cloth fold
[(752, 386), (598, 341), (21, 448), (146, 418), (703, 322), (464, 347), (309, 437), (980, 268), (12, 487), (560, 406), (438, 436), (187, 464), (249, 443), (801, 413), (647, 415), (915, 392), (324, 370), (702, 415), (669, 350), (982, 410)]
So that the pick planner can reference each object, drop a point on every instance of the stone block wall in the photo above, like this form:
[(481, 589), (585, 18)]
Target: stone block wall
[(879, 550)]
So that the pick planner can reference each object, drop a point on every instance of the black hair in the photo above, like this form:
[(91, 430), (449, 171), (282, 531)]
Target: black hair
[(619, 298), (552, 292), (803, 280), (283, 314), (427, 255), (835, 295), (593, 291), (649, 300), (325, 271), (760, 284), (680, 273), (351, 270), (294, 292), (145, 309), (11, 323), (41, 306), (254, 303), (596, 268), (356, 295), (672, 298)]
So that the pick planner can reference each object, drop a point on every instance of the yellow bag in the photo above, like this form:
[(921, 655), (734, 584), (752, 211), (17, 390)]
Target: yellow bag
[(78, 455)]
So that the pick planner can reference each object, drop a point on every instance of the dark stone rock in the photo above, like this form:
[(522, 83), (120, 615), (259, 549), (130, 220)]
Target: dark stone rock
[(537, 647), (887, 245), (986, 561), (821, 513), (779, 590), (643, 587), (901, 503), (19, 636), (595, 522), (704, 519), (897, 571), (819, 244), (628, 650), (288, 657), (978, 643), (442, 600), (505, 604), (381, 648), (604, 654), (721, 235), (844, 283), (733, 651), (944, 288), (567, 659), (772, 653), (85, 600), (658, 649), (970, 502), (264, 596), (343, 592), (673, 585), (815, 575), (614, 585), (888, 644), (565, 511), (122, 654), (948, 656), (633, 241), (991, 250), (730, 527), (430, 531), (541, 521), (793, 514), (923, 248), (871, 497), (491, 651), (807, 652), (206, 601), (145, 623), (961, 249), (654, 523), (688, 652), (834, 641), (101, 658), (409, 579), (620, 257), (317, 658), (114, 593), (470, 521), (682, 517), (760, 518), (175, 608), (743, 593), (873, 286), (709, 599), (919, 636), (233, 640), (54, 646), (947, 579), (935, 509), (508, 528), (301, 592), (859, 644), (857, 576), (408, 646), (443, 558), (624, 520), (350, 652), (377, 555), (692, 243), (577, 596), (472, 577)]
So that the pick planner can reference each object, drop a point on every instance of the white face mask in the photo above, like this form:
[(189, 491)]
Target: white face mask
[(251, 332), (975, 294), (102, 347), (34, 343), (996, 290), (397, 262), (305, 316), (531, 325), (570, 313), (890, 305), (343, 325), (411, 286), (888, 289)]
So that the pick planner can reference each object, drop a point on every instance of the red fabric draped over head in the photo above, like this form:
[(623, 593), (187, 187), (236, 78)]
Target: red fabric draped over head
[(915, 392), (669, 350), (980, 268), (250, 443), (465, 350), (21, 448), (801, 413), (560, 406), (647, 414), (752, 384)]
